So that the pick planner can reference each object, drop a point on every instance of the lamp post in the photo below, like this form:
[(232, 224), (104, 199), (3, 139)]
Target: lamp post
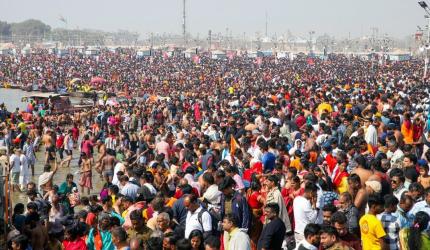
[(424, 5)]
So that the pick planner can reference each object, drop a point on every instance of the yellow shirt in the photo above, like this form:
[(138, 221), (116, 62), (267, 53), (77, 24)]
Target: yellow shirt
[(296, 164), (371, 231)]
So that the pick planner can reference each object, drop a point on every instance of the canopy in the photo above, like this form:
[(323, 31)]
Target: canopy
[(97, 80)]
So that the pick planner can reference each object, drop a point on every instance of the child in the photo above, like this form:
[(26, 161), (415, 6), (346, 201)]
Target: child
[(74, 197), (424, 178)]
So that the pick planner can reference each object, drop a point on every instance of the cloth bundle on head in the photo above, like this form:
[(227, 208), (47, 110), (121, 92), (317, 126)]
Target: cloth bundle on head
[(374, 185)]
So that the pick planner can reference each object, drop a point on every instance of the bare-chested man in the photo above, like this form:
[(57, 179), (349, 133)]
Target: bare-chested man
[(37, 232), (107, 166), (86, 174)]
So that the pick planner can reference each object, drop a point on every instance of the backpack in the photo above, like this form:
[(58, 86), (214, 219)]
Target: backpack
[(216, 221)]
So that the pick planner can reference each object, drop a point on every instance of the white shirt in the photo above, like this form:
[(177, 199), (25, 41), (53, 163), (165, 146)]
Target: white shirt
[(303, 214), (15, 163), (116, 169), (129, 189), (192, 222), (306, 245), (24, 170)]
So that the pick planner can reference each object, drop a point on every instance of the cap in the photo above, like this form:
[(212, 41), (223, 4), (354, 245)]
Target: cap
[(422, 162)]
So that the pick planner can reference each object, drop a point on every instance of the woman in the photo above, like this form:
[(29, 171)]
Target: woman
[(415, 237), (289, 194), (255, 202), (196, 240), (275, 196)]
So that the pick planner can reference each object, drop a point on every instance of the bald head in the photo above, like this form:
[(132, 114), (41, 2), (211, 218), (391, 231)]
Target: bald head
[(136, 244)]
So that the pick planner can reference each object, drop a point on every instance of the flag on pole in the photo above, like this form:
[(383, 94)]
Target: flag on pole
[(233, 145)]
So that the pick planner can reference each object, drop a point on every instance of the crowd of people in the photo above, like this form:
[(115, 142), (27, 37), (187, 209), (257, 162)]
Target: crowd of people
[(222, 154)]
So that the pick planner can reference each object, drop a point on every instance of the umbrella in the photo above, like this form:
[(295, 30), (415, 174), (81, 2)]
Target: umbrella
[(97, 80), (75, 80)]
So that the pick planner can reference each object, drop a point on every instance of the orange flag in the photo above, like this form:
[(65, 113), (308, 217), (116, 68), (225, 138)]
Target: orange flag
[(233, 145)]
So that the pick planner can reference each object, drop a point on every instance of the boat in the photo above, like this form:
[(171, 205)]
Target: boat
[(61, 102)]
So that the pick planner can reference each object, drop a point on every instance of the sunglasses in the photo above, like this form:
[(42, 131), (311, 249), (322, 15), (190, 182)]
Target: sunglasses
[(395, 182)]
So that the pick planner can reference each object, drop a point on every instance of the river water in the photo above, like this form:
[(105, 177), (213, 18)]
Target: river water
[(12, 100)]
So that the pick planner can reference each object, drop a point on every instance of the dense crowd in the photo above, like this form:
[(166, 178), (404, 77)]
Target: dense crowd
[(222, 154)]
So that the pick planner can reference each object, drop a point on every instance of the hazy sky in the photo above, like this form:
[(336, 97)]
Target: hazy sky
[(337, 17)]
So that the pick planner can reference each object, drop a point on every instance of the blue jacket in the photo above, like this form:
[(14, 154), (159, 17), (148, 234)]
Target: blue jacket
[(239, 209)]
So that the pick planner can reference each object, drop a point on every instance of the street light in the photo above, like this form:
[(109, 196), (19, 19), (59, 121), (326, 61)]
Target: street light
[(424, 5)]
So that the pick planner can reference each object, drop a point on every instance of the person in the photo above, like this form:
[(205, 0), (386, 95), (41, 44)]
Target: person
[(405, 204), (68, 149), (45, 179), (100, 237), (234, 202), (86, 174), (18, 219), (329, 239), (196, 240), (212, 243), (423, 205), (38, 232), (234, 239), (397, 182), (415, 237), (119, 238), (197, 218), (24, 173), (274, 232), (14, 169), (340, 223), (312, 238), (328, 211), (305, 210), (136, 244), (390, 221), (128, 189), (275, 196), (139, 229), (72, 239), (424, 178), (372, 230), (19, 242)]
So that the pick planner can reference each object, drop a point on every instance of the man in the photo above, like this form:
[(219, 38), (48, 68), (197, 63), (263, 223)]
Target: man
[(68, 148), (235, 203), (305, 210), (328, 211), (212, 243), (197, 218), (211, 195), (372, 231), (119, 238), (37, 231), (312, 238), (109, 209), (394, 154), (405, 218), (268, 159), (350, 211), (422, 205), (234, 239), (45, 179), (339, 221), (273, 233), (128, 188), (15, 169), (329, 239), (397, 182), (409, 170), (179, 210), (107, 165), (139, 229), (390, 222)]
